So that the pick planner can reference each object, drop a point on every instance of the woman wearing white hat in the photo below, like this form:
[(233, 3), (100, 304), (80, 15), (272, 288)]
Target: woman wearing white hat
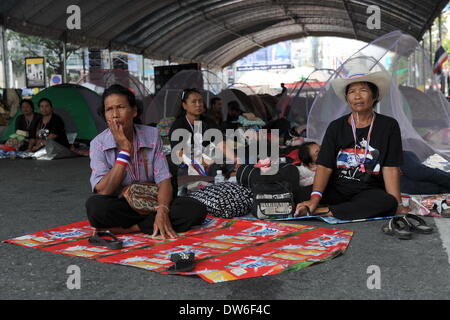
[(358, 165)]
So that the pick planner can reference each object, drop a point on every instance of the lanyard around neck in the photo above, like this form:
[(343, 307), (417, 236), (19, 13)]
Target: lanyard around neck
[(190, 124), (43, 126), (366, 147), (28, 122)]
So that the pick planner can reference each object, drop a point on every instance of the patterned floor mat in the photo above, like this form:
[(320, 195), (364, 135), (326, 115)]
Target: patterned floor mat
[(224, 249)]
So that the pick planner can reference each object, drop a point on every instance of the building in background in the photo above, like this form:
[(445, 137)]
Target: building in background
[(290, 61)]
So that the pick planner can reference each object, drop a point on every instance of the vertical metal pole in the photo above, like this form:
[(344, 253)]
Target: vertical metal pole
[(440, 28), (412, 74), (422, 61), (166, 94), (143, 70), (83, 57), (110, 59), (421, 58), (431, 46), (5, 58), (442, 76), (64, 75)]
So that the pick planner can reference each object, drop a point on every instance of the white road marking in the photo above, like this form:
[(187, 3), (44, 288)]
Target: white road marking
[(443, 226)]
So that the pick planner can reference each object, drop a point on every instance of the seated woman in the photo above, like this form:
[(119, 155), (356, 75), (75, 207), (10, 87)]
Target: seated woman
[(191, 112), (308, 153), (50, 126), (358, 172), (141, 147), (190, 118), (27, 122)]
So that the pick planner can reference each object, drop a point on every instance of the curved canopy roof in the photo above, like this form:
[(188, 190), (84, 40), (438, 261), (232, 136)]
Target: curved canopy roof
[(213, 32)]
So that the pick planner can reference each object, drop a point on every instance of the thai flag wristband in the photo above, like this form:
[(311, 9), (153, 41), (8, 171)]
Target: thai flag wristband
[(123, 158), (316, 193)]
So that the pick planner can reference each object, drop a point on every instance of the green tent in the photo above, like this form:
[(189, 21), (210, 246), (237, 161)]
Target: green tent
[(76, 105)]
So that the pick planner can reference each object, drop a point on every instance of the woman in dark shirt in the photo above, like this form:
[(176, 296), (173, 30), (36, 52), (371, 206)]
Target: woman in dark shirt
[(28, 122), (358, 163), (190, 115), (194, 123), (51, 127)]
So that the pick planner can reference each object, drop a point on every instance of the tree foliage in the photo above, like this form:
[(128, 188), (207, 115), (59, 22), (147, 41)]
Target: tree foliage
[(31, 46)]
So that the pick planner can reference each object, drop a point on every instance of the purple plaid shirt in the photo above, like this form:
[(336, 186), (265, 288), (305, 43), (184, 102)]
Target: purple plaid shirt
[(103, 153)]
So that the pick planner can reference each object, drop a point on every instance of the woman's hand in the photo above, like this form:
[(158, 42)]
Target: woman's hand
[(206, 163), (320, 183), (162, 224), (301, 209), (113, 179), (402, 210), (39, 144), (119, 135)]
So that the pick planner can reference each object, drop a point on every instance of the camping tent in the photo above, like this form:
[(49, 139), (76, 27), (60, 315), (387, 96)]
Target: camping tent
[(423, 132), (296, 102), (100, 79), (76, 105), (167, 102)]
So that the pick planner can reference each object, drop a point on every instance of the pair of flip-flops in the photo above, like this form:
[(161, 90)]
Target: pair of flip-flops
[(106, 239), (184, 262), (405, 225)]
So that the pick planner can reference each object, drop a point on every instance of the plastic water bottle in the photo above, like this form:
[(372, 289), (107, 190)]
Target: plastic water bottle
[(219, 177)]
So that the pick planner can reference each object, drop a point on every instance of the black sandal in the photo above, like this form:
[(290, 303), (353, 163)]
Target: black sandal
[(421, 227), (97, 240), (393, 228), (184, 262)]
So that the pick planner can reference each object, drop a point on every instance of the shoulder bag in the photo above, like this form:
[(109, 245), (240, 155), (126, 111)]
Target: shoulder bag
[(142, 196)]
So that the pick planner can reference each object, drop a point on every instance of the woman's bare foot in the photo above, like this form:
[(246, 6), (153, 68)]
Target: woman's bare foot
[(304, 211), (324, 212)]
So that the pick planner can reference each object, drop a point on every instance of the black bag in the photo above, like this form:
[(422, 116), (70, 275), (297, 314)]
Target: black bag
[(272, 200), (273, 195), (248, 175)]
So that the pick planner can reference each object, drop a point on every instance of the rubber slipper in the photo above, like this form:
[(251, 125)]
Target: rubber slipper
[(421, 227), (397, 227), (98, 240), (184, 262)]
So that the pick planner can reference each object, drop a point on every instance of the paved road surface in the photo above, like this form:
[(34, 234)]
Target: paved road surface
[(38, 195)]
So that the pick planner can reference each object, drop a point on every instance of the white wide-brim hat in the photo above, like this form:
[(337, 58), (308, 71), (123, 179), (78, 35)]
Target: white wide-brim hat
[(380, 78)]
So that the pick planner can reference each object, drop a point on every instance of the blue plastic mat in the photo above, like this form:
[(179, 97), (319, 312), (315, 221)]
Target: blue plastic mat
[(329, 220)]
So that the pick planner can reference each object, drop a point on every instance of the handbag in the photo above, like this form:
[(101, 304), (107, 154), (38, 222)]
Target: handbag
[(142, 197), (272, 200)]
